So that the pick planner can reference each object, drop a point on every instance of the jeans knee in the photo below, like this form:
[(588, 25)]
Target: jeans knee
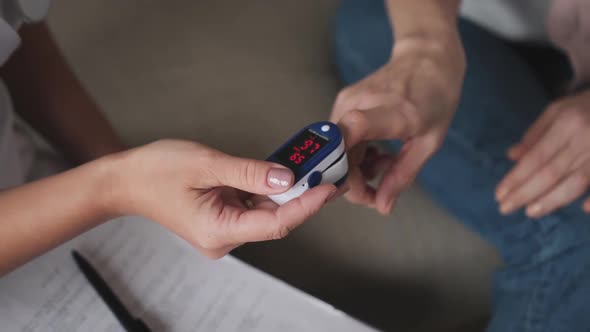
[(548, 292), (552, 240)]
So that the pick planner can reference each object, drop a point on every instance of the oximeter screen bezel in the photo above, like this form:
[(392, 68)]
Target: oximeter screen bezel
[(333, 138)]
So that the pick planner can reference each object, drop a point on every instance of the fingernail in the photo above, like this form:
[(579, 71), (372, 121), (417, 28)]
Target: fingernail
[(279, 178), (331, 196), (506, 208), (534, 210)]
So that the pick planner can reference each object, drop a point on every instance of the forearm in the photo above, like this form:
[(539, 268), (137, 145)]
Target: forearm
[(41, 215), (47, 94), (427, 29), (423, 18)]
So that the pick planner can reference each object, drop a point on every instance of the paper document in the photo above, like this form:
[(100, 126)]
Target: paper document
[(163, 281)]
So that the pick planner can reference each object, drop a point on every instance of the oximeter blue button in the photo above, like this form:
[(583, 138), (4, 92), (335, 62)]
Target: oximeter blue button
[(314, 179)]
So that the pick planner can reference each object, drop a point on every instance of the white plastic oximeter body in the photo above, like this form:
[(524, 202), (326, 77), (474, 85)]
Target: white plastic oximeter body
[(315, 155)]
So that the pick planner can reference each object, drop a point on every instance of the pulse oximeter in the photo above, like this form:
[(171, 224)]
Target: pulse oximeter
[(315, 155)]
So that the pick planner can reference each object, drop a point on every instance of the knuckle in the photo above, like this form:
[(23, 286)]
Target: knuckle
[(250, 174), (343, 96), (284, 226), (572, 119), (418, 121), (307, 212), (280, 232), (356, 119), (372, 90), (397, 89), (208, 158), (539, 156)]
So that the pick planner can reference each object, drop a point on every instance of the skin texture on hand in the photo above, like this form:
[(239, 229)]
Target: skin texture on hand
[(552, 160), (202, 195), (206, 196), (413, 99)]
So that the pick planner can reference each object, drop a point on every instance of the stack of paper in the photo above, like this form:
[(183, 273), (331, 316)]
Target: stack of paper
[(163, 281)]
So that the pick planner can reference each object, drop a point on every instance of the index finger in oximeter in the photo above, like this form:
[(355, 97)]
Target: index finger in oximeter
[(315, 155)]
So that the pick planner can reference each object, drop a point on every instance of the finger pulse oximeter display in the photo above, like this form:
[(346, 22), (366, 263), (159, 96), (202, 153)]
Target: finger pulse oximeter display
[(315, 155)]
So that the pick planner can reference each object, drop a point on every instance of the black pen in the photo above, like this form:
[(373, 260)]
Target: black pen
[(129, 323)]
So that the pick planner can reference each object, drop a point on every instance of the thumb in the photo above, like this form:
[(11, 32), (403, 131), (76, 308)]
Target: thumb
[(253, 176), (262, 224)]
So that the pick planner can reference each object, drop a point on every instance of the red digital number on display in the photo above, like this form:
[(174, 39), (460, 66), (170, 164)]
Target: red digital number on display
[(301, 152)]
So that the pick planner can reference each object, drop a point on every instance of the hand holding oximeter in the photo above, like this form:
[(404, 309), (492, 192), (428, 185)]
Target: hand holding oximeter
[(315, 155)]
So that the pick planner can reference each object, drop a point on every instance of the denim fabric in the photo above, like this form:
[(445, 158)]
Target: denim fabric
[(544, 283)]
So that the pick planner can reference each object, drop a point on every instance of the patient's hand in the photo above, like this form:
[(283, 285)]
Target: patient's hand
[(203, 195), (553, 160), (413, 99)]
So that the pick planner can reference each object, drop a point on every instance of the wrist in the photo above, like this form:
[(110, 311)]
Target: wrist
[(111, 197), (446, 54), (425, 25), (443, 45), (430, 19), (437, 35)]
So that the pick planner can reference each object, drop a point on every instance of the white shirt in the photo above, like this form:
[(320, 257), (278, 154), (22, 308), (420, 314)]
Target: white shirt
[(16, 148), (519, 20)]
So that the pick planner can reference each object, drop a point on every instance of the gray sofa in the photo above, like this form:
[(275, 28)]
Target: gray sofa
[(241, 76)]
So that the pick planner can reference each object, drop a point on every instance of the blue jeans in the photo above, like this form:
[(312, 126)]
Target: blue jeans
[(544, 283)]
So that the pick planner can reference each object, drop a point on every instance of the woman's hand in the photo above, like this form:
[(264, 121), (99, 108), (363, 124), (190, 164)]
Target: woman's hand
[(412, 98), (202, 195), (553, 160)]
